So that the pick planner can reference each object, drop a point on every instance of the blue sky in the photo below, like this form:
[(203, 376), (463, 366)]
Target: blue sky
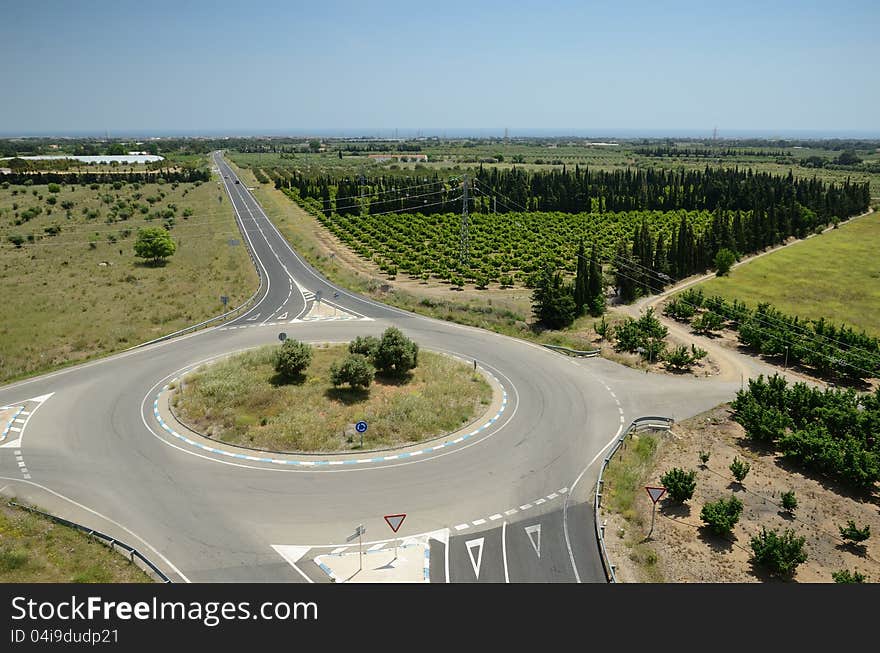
[(567, 67)]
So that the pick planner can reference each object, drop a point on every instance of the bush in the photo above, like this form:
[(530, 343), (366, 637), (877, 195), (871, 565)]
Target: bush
[(846, 577), (724, 259), (789, 501), (355, 370), (679, 483), (854, 535), (707, 323), (704, 457), (679, 310), (154, 244), (396, 354), (721, 516), (365, 346), (292, 359), (739, 469), (780, 554)]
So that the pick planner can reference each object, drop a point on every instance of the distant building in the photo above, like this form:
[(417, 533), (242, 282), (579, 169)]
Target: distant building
[(400, 158)]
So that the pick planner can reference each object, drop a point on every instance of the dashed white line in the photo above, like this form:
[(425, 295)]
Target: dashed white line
[(525, 506), (495, 517), (461, 527), (510, 512), (478, 522)]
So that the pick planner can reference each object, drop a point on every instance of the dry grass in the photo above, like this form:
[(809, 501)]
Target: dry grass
[(34, 549), (238, 401), (67, 301)]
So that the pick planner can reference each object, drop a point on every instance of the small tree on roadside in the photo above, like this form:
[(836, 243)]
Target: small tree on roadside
[(724, 260), (679, 484), (789, 502), (704, 458), (292, 359), (845, 576), (396, 354), (739, 469), (854, 535), (780, 554), (355, 370), (721, 516), (154, 244)]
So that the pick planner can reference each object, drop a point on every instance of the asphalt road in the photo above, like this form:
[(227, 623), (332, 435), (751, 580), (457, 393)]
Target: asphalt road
[(92, 450)]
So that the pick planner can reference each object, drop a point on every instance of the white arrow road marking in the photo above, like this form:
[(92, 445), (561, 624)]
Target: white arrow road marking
[(293, 554), (251, 319), (475, 563), (283, 316), (534, 533)]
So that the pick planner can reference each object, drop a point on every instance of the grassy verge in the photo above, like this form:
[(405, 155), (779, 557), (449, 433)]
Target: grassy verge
[(835, 276), (624, 481), (74, 290), (236, 401), (34, 549)]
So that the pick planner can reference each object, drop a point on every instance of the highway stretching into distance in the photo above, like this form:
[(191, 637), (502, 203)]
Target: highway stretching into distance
[(509, 503)]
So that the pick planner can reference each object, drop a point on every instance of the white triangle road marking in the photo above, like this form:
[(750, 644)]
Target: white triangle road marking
[(475, 563), (534, 533), (9, 445), (293, 554)]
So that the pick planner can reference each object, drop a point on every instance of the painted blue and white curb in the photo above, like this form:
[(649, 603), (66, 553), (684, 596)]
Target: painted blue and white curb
[(329, 462), (9, 425)]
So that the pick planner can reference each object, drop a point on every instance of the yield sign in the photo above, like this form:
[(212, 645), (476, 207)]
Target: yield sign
[(475, 562), (655, 492), (394, 521), (534, 533)]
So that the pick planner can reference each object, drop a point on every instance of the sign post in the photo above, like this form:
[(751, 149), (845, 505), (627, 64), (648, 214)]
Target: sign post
[(361, 427), (395, 521), (282, 336), (359, 536), (655, 493), (224, 300)]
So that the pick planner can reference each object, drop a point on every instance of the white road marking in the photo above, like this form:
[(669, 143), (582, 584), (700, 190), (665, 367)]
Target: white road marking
[(534, 533), (339, 549), (525, 506), (283, 316), (15, 429), (510, 512), (552, 496), (478, 522), (475, 562), (504, 551), (20, 463), (461, 527), (495, 517), (293, 554), (376, 547), (538, 502)]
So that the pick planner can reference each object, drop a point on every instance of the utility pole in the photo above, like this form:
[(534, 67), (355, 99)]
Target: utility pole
[(465, 223)]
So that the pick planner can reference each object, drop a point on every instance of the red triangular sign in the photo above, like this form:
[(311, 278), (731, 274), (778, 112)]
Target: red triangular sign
[(394, 521), (655, 492)]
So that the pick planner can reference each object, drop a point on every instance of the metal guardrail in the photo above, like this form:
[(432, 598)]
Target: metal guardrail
[(110, 541), (638, 424), (590, 353)]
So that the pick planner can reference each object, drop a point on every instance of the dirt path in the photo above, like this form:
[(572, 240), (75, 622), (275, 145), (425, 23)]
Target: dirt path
[(732, 364)]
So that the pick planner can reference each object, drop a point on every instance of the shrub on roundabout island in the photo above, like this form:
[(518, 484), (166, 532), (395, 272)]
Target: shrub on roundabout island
[(355, 370), (292, 359), (396, 354)]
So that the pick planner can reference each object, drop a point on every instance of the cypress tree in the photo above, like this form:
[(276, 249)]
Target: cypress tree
[(582, 281), (596, 289)]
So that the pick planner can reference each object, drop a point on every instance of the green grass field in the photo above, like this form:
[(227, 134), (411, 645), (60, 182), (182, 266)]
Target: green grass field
[(34, 549), (81, 293), (835, 276), (235, 401)]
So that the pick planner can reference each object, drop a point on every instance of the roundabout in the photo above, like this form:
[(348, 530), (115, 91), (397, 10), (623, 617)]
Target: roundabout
[(103, 449)]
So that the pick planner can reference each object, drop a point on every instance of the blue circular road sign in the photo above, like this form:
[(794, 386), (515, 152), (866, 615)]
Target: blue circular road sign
[(360, 427)]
